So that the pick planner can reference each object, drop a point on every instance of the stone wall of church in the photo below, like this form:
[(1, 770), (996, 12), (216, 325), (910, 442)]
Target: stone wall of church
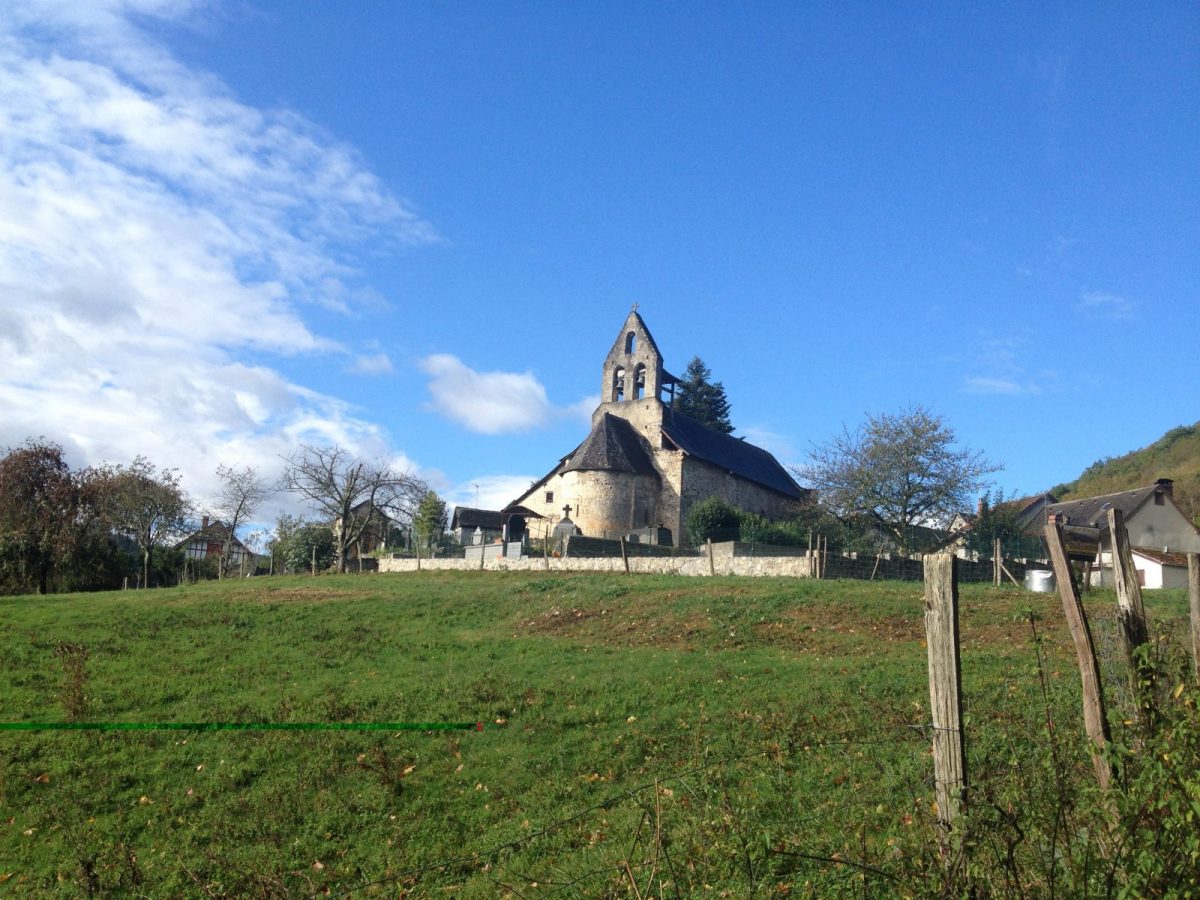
[(602, 503), (613, 503), (701, 480)]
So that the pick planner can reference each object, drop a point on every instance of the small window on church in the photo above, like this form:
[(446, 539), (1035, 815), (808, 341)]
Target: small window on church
[(618, 389), (630, 342), (639, 382), (549, 496)]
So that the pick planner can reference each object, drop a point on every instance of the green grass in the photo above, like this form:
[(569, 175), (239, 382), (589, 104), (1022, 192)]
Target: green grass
[(644, 734)]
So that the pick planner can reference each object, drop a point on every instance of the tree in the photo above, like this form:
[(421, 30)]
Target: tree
[(429, 524), (144, 504), (712, 519), (298, 544), (896, 472), (38, 511), (350, 491), (243, 491), (999, 518), (702, 398)]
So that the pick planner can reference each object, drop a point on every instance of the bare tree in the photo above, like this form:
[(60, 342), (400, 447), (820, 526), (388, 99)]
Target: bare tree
[(243, 491), (147, 505), (350, 491), (897, 472)]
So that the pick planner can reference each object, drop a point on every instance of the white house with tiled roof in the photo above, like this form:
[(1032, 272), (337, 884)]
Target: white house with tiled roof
[(1159, 532)]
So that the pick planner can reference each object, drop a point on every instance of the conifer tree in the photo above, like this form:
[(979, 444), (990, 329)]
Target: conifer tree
[(702, 398)]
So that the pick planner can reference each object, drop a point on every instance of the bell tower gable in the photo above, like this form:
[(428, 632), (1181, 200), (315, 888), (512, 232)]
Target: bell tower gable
[(633, 369)]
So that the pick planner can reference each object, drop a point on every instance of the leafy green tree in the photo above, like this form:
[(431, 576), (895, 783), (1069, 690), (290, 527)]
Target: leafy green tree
[(298, 542), (38, 506), (429, 523), (698, 396), (712, 519), (51, 533), (901, 474), (141, 502), (997, 518)]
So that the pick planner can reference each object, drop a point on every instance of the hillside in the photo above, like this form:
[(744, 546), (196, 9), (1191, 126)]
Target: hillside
[(643, 736), (1174, 455)]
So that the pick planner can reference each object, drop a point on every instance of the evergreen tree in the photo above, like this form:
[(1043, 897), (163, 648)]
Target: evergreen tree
[(430, 521), (702, 398)]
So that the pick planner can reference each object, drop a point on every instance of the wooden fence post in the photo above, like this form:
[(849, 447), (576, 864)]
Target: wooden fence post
[(624, 556), (945, 686), (712, 567), (1194, 603), (996, 562), (1095, 719), (1131, 613)]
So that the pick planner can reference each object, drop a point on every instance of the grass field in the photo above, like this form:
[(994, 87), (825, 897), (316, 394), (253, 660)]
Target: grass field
[(644, 736)]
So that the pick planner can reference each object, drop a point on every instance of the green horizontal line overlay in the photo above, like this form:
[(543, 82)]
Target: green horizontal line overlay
[(241, 726)]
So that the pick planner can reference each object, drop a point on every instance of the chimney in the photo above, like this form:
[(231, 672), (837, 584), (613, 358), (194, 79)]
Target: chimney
[(1167, 485), (204, 523)]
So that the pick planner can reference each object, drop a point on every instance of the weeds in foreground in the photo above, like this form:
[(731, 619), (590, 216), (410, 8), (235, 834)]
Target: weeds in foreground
[(74, 665)]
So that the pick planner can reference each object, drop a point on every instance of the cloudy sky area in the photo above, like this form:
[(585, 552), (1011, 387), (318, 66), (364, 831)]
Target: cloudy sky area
[(414, 230)]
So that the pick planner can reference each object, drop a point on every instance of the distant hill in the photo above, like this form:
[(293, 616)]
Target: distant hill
[(1174, 455)]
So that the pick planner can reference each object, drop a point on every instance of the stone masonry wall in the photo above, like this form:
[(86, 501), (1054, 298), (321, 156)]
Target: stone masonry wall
[(701, 481), (795, 567)]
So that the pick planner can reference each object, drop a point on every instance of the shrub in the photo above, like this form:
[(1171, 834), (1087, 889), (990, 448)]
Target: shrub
[(712, 519)]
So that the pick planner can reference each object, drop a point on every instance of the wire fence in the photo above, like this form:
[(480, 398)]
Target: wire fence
[(820, 557)]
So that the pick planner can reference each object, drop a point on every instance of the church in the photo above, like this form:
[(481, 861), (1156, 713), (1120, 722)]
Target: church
[(643, 464)]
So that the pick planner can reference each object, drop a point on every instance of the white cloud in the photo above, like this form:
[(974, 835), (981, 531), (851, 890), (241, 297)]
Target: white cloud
[(156, 235), (495, 402), (978, 384), (779, 446), (1106, 306), (487, 402), (376, 364), (494, 491), (999, 364)]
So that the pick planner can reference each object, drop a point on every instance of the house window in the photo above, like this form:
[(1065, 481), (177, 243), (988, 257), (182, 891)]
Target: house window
[(1158, 500), (549, 496)]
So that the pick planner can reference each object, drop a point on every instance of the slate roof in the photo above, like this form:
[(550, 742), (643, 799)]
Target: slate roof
[(468, 517), (1158, 556), (732, 454), (1093, 511), (612, 446)]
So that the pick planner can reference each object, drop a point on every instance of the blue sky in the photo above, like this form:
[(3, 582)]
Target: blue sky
[(416, 229)]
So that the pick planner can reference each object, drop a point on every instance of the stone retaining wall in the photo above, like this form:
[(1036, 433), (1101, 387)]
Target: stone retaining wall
[(795, 567)]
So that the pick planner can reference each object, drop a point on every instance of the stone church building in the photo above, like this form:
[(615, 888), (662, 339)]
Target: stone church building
[(643, 465)]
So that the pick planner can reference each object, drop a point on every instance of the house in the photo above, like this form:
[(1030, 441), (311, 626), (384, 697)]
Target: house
[(1158, 529), (209, 540), (466, 521), (1028, 515), (1160, 570), (643, 465), (378, 532)]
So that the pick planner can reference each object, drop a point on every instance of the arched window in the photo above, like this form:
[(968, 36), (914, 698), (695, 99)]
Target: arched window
[(618, 386), (630, 342), (639, 382)]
